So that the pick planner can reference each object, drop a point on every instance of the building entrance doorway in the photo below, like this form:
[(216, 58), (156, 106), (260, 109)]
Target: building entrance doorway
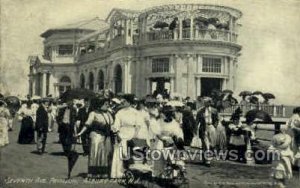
[(160, 85), (210, 84)]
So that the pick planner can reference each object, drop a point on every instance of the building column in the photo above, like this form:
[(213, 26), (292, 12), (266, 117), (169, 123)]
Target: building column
[(224, 84), (96, 85), (172, 85), (33, 85), (180, 28), (148, 86), (198, 86), (230, 28), (126, 31), (192, 28), (127, 76), (51, 85), (44, 84), (179, 67), (230, 74), (137, 76), (191, 75), (199, 64)]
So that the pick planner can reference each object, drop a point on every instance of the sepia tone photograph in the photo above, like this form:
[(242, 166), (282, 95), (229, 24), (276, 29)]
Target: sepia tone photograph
[(149, 93)]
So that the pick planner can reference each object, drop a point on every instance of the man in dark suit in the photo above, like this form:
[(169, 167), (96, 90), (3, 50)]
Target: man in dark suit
[(206, 121), (41, 126), (82, 116), (66, 121)]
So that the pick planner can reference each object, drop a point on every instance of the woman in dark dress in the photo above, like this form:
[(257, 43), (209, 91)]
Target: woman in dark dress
[(26, 135)]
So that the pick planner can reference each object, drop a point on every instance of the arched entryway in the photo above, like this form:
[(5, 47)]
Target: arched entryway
[(100, 80), (91, 81), (64, 84), (82, 81), (118, 78)]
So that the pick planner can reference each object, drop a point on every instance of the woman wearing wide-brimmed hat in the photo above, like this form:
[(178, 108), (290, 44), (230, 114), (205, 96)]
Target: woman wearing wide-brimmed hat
[(154, 133), (129, 124), (99, 123), (282, 163), (4, 117)]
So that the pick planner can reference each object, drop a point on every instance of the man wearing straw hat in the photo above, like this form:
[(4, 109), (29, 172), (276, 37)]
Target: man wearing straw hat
[(206, 121)]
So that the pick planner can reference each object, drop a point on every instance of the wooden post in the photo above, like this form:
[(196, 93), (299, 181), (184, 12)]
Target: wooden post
[(274, 111)]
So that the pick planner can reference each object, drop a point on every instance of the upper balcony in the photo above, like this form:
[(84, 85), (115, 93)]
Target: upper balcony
[(184, 22), (189, 22), (188, 34)]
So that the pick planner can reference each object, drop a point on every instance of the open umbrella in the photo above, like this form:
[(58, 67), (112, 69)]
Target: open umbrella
[(77, 94), (245, 93), (227, 91), (257, 93), (252, 115), (296, 110), (268, 96), (12, 101)]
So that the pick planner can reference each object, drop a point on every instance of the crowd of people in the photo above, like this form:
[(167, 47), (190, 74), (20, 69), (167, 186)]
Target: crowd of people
[(104, 124)]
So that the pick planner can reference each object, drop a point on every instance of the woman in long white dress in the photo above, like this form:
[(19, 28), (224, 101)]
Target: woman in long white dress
[(4, 125), (155, 133), (129, 124), (171, 135), (99, 122)]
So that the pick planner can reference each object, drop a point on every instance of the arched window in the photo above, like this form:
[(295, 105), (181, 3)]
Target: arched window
[(101, 80), (118, 78), (65, 79), (91, 81), (64, 84), (82, 81)]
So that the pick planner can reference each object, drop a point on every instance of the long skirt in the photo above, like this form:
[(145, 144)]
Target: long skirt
[(211, 136), (26, 135), (221, 141), (3, 131), (100, 154), (158, 165)]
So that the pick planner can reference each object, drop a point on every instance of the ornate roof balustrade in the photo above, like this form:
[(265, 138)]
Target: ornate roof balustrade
[(187, 34)]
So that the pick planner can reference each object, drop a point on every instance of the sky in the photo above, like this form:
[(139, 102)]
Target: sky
[(270, 36)]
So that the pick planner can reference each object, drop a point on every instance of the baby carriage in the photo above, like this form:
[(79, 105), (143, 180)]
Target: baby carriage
[(140, 172), (174, 173), (137, 169)]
